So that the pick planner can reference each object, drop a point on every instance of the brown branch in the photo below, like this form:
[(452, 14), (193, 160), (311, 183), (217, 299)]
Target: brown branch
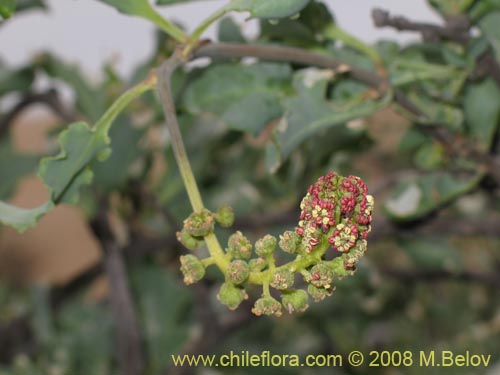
[(289, 54), (456, 29), (130, 358), (455, 146), (50, 98)]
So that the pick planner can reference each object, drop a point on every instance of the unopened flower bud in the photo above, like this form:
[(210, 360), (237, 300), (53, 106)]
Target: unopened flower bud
[(266, 245), (225, 216), (295, 300), (231, 295), (267, 306), (199, 224), (257, 264), (289, 242), (192, 269), (282, 279), (318, 294), (320, 276), (238, 271), (239, 246), (190, 242)]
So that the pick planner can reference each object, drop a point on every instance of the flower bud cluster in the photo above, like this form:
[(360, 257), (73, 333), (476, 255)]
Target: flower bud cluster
[(335, 215)]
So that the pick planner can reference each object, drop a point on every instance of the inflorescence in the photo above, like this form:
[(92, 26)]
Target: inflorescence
[(335, 215)]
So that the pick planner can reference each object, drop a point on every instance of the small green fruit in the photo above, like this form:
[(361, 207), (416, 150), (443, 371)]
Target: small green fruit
[(266, 245), (225, 216), (238, 271), (192, 269), (231, 295), (295, 300), (239, 246)]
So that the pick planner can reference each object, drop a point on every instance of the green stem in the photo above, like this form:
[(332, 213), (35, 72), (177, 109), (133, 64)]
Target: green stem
[(198, 32), (168, 27), (335, 32), (164, 78), (299, 263), (106, 120), (164, 88)]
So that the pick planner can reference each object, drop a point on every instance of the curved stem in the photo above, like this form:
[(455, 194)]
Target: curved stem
[(207, 22), (164, 88), (335, 32), (164, 78), (171, 29)]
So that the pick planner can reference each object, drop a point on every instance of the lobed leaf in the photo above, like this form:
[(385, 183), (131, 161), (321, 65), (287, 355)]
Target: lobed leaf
[(245, 97), (65, 173), (309, 111)]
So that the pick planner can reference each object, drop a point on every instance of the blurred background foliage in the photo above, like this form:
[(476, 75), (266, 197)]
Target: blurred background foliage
[(258, 133)]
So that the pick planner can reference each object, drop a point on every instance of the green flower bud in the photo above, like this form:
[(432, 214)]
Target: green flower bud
[(199, 224), (190, 242), (225, 216), (239, 246), (192, 269), (318, 294), (320, 276), (283, 279), (266, 245), (289, 242), (295, 300), (257, 264), (238, 271), (231, 295), (267, 306)]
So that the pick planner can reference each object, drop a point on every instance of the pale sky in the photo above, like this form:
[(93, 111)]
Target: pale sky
[(90, 33)]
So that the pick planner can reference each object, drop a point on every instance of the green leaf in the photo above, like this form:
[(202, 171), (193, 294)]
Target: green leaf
[(7, 8), (302, 31), (66, 172), (309, 111), (451, 7), (482, 111), (15, 80), (113, 172), (22, 218), (13, 166), (432, 253), (429, 156), (90, 101), (268, 8), (489, 27), (162, 305), (404, 71), (482, 8), (142, 8), (245, 97), (229, 31), (438, 112), (421, 196), (69, 170)]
